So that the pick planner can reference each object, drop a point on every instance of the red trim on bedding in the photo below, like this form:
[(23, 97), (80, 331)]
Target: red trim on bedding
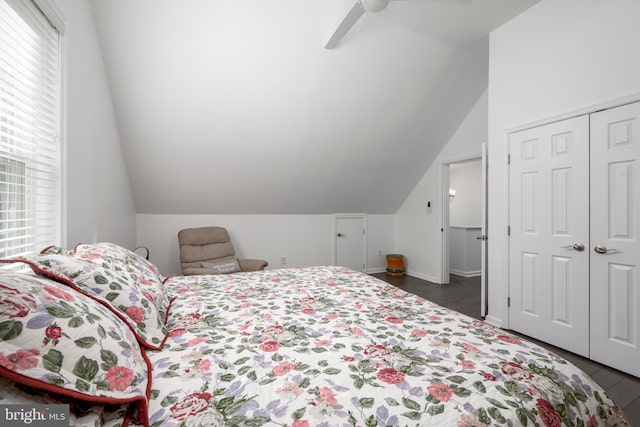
[(46, 249)]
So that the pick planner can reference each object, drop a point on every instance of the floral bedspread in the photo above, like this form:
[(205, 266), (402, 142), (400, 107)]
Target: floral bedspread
[(327, 346)]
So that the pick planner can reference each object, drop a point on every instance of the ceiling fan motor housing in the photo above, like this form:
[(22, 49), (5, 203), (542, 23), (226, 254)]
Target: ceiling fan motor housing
[(375, 5)]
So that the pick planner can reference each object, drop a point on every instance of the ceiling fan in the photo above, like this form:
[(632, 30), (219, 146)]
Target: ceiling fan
[(356, 12), (353, 16)]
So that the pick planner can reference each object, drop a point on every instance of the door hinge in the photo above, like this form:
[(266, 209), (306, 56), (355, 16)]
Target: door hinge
[(508, 301), (508, 230), (363, 231), (508, 159)]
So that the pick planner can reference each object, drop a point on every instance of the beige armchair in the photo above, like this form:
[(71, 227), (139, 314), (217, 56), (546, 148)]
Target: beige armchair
[(207, 250)]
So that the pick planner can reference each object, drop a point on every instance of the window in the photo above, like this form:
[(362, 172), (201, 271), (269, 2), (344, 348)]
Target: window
[(12, 206), (29, 129)]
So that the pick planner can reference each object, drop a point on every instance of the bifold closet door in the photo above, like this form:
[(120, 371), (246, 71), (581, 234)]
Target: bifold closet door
[(615, 229), (549, 237)]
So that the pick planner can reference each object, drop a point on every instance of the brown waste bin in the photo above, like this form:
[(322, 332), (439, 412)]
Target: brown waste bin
[(395, 265)]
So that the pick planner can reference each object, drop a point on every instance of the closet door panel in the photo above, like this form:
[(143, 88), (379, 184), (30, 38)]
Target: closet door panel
[(549, 219), (615, 226)]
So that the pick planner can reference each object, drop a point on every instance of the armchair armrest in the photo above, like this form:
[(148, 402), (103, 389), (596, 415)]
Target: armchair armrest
[(252, 264)]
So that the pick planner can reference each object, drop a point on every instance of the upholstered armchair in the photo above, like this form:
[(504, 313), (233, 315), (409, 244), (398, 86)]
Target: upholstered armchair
[(208, 250)]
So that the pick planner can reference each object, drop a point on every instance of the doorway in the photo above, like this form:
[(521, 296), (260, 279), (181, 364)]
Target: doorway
[(464, 221)]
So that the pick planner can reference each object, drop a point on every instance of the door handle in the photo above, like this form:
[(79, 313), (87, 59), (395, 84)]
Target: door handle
[(577, 246), (599, 249), (483, 237), (341, 235)]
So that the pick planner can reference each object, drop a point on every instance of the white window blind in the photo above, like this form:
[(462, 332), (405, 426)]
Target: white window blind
[(29, 129)]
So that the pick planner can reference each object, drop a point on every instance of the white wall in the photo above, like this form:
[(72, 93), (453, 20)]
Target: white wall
[(418, 235), (465, 208), (100, 204), (305, 240), (465, 251), (559, 57)]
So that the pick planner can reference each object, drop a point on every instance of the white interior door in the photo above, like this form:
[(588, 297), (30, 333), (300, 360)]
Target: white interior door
[(615, 226), (350, 234), (483, 236), (549, 232)]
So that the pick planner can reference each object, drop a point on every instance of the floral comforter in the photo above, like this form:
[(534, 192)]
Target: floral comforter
[(327, 346)]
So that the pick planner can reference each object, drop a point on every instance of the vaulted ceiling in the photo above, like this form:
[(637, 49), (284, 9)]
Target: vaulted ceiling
[(236, 107)]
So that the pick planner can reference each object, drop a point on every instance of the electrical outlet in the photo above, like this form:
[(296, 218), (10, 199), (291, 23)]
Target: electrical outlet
[(283, 260)]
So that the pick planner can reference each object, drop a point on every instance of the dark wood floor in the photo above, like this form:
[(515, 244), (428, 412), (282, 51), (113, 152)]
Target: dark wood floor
[(463, 295)]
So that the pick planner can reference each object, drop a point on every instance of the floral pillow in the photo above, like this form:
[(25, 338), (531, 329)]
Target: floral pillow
[(134, 264), (80, 413), (130, 265), (60, 341), (139, 301), (56, 250)]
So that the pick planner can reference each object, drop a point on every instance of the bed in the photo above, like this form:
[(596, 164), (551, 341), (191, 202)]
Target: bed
[(103, 331)]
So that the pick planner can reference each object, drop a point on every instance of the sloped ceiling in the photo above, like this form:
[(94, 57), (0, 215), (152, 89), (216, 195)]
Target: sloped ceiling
[(235, 107)]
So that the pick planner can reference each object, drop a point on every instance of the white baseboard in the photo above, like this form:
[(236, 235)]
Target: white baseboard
[(422, 276), (472, 273), (407, 272)]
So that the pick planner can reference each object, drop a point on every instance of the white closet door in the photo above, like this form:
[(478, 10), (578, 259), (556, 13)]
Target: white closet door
[(350, 241), (615, 229), (549, 221)]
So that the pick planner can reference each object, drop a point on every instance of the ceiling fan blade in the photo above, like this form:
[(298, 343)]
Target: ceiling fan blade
[(443, 1), (349, 21)]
